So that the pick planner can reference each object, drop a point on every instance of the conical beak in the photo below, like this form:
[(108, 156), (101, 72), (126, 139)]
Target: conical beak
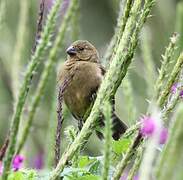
[(71, 51)]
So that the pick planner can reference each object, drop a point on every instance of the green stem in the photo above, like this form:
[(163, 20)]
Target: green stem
[(122, 19), (175, 72), (122, 164), (167, 57), (108, 140), (129, 99), (35, 60), (46, 73), (179, 25), (19, 46), (170, 158), (136, 165), (173, 100), (113, 78)]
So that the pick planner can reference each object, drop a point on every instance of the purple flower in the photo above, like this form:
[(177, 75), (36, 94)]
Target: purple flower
[(148, 126), (174, 89), (163, 136), (1, 168), (125, 176), (39, 161), (181, 94), (17, 162)]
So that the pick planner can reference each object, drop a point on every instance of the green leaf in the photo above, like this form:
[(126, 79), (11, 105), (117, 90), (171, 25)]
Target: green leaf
[(84, 161), (121, 145), (95, 168), (16, 176)]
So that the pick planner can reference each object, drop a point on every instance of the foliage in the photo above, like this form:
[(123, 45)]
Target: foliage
[(146, 90)]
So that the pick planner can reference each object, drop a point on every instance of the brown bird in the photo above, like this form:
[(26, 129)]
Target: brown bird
[(86, 72)]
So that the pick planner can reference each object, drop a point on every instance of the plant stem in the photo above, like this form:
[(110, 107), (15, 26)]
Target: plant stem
[(136, 165), (129, 99), (108, 140), (35, 60), (52, 57), (19, 46), (122, 164), (122, 19), (163, 72), (39, 25), (173, 99), (175, 72), (179, 25), (115, 74), (170, 158)]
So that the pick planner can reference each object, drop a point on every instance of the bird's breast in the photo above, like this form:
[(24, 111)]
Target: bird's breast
[(85, 82)]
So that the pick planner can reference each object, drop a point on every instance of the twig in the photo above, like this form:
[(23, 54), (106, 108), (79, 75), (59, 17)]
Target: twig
[(39, 25), (4, 148), (60, 118)]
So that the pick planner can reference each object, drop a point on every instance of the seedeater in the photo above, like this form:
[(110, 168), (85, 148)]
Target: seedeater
[(86, 72)]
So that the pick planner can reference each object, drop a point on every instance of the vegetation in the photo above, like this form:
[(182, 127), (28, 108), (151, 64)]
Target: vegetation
[(148, 87)]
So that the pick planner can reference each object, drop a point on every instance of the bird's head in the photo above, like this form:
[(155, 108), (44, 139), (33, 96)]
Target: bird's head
[(83, 50)]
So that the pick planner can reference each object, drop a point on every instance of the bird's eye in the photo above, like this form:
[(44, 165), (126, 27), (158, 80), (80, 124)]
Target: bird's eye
[(81, 48)]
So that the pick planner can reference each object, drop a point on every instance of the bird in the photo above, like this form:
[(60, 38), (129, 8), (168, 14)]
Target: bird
[(86, 74)]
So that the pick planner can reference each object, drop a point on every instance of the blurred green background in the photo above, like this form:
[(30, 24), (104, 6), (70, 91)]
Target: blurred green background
[(97, 23)]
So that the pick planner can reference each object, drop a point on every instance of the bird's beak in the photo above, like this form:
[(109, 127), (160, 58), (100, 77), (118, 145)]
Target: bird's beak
[(71, 51)]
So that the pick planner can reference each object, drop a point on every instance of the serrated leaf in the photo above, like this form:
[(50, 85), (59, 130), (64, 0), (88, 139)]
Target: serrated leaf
[(121, 145)]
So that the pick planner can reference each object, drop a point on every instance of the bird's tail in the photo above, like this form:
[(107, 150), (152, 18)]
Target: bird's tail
[(118, 128)]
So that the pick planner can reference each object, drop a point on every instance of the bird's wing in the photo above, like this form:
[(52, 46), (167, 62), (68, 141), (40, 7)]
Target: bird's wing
[(102, 70)]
